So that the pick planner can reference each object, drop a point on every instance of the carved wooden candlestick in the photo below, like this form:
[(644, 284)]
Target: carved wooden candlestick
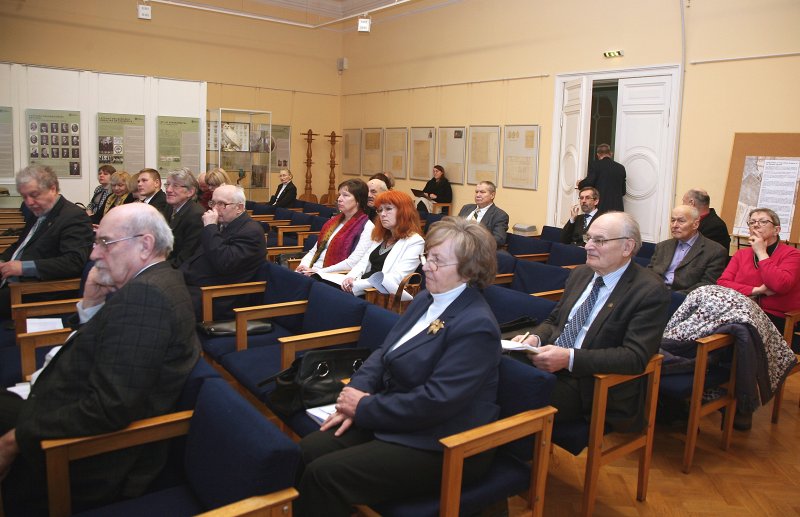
[(332, 184), (308, 195)]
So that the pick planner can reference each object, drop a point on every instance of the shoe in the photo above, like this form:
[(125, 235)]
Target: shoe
[(742, 421)]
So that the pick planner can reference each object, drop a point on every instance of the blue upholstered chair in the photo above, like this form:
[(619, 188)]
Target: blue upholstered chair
[(528, 248), (566, 255), (509, 305), (430, 218), (260, 208), (551, 233), (647, 250), (540, 279), (232, 452)]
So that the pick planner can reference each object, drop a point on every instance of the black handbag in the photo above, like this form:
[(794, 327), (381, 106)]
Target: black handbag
[(315, 379), (228, 327)]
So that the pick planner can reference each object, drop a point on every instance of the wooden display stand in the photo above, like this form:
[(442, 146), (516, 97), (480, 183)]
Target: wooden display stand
[(331, 195), (308, 194)]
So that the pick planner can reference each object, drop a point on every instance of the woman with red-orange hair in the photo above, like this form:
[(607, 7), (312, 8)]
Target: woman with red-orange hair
[(396, 247)]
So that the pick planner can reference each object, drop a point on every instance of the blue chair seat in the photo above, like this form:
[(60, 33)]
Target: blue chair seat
[(218, 347), (679, 385), (178, 501)]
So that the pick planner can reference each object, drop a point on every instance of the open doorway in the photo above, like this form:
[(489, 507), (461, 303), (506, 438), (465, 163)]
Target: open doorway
[(603, 118)]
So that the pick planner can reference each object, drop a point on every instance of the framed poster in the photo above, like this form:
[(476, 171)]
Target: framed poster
[(351, 152), (371, 151), (521, 157), (423, 145), (54, 139), (452, 152), (178, 143), (395, 152), (6, 143), (120, 140), (484, 154)]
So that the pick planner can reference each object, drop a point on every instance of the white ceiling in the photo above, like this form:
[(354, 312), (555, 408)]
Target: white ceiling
[(330, 8)]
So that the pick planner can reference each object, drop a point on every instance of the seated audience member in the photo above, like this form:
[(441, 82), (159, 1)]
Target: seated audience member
[(397, 245), (768, 271), (232, 247), (120, 195), (609, 320), (286, 194), (437, 189), (185, 217), (204, 195), (129, 361), (385, 177), (149, 186), (133, 186), (346, 237), (581, 216), (711, 226), (687, 260), (486, 212), (56, 240), (435, 374), (375, 186), (94, 209)]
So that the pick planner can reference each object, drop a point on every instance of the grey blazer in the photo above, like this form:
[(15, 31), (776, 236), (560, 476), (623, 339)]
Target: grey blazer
[(702, 265), (495, 219)]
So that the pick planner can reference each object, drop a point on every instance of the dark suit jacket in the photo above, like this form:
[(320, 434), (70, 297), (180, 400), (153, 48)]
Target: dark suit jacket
[(225, 257), (62, 244), (442, 190), (702, 265), (434, 384), (495, 219), (572, 233), (608, 177), (714, 228), (621, 339), (186, 228), (159, 202), (287, 199), (128, 362)]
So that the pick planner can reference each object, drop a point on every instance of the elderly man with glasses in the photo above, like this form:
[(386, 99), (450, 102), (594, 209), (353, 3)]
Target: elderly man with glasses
[(609, 320), (232, 248), (184, 216)]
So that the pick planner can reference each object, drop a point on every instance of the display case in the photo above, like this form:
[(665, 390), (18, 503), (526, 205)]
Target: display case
[(241, 142)]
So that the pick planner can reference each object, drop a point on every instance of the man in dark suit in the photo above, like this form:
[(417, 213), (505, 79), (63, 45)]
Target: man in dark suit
[(56, 241), (148, 183), (610, 325), (232, 248), (286, 194), (129, 360), (486, 212), (608, 177), (687, 260), (711, 225), (581, 217), (185, 217)]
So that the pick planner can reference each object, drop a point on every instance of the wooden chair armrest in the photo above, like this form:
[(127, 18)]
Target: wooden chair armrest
[(209, 293), (276, 504), (290, 345), (554, 295), (19, 289), (488, 436), (503, 278), (58, 453), (714, 342), (29, 342), (279, 222), (275, 251), (609, 380), (245, 314), (792, 317), (263, 217), (301, 237), (571, 266), (533, 257), (282, 230), (21, 312)]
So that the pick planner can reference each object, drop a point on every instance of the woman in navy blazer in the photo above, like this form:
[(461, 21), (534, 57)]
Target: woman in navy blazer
[(435, 375)]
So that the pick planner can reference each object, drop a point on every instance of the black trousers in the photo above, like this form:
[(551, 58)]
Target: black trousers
[(25, 488), (357, 468)]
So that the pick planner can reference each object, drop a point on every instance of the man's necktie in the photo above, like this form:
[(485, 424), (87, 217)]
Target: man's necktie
[(475, 213), (586, 219), (573, 327), (34, 228)]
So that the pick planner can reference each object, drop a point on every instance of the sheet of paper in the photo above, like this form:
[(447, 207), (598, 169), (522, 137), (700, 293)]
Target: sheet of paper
[(336, 278), (321, 413), (23, 389), (516, 346), (42, 324)]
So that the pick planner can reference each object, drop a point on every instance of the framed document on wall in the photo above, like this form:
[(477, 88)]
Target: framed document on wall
[(395, 151), (521, 157), (371, 151), (484, 154), (421, 150), (351, 152), (452, 152)]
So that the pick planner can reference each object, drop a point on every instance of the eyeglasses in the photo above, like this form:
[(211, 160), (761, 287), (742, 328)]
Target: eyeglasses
[(104, 243), (423, 259), (212, 204), (600, 241), (760, 222)]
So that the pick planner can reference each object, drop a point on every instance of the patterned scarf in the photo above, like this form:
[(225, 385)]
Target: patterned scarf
[(343, 243)]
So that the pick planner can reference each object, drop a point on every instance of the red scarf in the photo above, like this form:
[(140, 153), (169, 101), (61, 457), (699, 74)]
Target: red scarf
[(345, 241)]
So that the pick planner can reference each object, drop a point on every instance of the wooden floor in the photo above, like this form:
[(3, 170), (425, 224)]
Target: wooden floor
[(759, 475)]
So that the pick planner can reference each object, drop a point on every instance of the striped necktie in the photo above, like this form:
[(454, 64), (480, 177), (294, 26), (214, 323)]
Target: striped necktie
[(574, 326)]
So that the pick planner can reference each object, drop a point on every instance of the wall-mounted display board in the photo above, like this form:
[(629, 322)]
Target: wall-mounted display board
[(395, 151), (521, 157), (422, 153), (278, 145), (484, 154), (351, 152), (6, 143), (120, 140), (371, 151), (54, 139), (178, 143), (452, 152), (764, 172)]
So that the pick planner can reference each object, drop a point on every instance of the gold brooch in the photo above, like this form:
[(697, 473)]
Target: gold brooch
[(435, 327)]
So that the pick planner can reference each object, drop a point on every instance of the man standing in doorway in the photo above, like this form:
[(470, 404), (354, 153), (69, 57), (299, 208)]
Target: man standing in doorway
[(608, 177)]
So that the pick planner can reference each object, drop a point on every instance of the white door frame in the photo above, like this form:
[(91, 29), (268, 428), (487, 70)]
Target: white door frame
[(674, 71)]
